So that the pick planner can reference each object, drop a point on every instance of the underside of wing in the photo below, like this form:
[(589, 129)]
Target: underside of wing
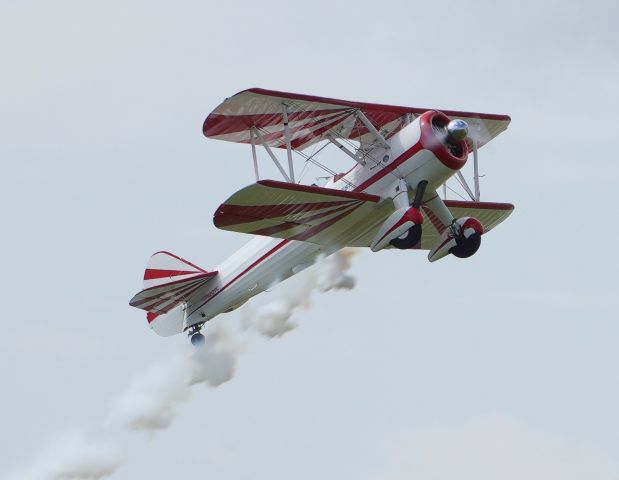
[(298, 212), (490, 214), (311, 119)]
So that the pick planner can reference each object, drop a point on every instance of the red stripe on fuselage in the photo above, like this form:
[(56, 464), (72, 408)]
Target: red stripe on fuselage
[(390, 168), (257, 262)]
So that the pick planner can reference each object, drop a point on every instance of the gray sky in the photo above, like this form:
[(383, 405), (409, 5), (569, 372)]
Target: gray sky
[(503, 364)]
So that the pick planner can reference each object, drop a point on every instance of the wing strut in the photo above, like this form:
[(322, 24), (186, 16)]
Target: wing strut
[(253, 152), (464, 184), (360, 161), (361, 116), (271, 154), (475, 169), (288, 146), (475, 196)]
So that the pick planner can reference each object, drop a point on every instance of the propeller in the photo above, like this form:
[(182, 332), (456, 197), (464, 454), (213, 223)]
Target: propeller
[(473, 131)]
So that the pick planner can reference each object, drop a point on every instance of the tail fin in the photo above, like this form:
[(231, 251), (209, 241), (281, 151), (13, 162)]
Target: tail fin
[(168, 281)]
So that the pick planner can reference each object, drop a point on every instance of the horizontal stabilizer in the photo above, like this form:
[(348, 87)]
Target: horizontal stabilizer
[(168, 281)]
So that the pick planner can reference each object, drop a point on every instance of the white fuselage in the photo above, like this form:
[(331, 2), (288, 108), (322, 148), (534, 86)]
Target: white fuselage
[(264, 261)]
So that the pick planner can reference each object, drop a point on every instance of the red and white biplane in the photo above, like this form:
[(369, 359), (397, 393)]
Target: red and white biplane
[(390, 198)]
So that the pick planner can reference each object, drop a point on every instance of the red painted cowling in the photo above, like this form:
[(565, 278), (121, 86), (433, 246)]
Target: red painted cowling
[(433, 126)]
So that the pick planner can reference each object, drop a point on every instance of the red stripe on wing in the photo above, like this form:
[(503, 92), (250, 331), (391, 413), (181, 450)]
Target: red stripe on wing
[(235, 214), (268, 231), (440, 227), (218, 124), (319, 228), (300, 141), (277, 138), (175, 300)]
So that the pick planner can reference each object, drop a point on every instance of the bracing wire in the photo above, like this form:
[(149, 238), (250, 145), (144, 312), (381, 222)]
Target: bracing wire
[(367, 153), (452, 190)]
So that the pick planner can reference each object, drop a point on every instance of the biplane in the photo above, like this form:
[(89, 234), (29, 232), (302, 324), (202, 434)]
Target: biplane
[(390, 199)]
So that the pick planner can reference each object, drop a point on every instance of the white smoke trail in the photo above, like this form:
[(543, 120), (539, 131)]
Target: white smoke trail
[(72, 456), (150, 403), (273, 319), (332, 272)]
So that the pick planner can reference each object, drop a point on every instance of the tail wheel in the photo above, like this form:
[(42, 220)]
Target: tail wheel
[(197, 339)]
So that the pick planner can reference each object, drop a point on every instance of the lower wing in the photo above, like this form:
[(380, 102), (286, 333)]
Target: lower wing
[(325, 216)]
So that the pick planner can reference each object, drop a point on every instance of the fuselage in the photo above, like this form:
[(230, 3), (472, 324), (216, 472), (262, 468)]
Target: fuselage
[(413, 155)]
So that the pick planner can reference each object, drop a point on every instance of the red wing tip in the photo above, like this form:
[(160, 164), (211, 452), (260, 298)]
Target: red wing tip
[(320, 190), (481, 205)]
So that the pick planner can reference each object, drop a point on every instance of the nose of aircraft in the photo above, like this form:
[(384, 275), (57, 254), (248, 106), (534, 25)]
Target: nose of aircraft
[(457, 130)]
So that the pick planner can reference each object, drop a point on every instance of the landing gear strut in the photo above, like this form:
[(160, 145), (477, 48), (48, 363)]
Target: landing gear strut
[(197, 339), (413, 234)]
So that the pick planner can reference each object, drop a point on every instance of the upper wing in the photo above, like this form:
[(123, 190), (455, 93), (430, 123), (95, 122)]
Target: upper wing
[(311, 118), (299, 212)]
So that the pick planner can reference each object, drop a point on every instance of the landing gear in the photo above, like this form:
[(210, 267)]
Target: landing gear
[(466, 247), (409, 239), (197, 339), (413, 234)]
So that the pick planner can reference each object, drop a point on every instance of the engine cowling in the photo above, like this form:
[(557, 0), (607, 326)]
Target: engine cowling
[(462, 239), (430, 148)]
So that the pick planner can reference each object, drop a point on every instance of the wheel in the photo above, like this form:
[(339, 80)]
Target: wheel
[(197, 339), (467, 246), (413, 235)]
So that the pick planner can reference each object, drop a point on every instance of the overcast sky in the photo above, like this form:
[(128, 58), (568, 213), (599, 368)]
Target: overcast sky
[(504, 365)]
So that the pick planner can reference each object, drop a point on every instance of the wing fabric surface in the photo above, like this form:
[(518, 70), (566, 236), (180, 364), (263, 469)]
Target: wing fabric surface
[(298, 212), (332, 217), (490, 214), (311, 118)]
